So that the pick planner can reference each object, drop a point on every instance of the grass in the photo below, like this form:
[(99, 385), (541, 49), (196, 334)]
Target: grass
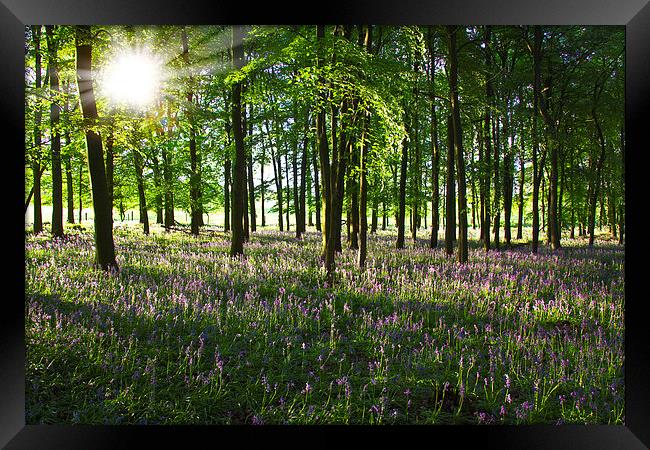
[(182, 333)]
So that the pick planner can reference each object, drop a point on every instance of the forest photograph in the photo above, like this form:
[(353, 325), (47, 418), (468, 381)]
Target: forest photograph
[(324, 224)]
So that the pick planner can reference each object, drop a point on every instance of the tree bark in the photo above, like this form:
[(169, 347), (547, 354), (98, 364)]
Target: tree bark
[(55, 111), (508, 177), (195, 207), (487, 139), (142, 199), (458, 147), (167, 177), (401, 217), (303, 179), (239, 172), (104, 247), (363, 182), (536, 171), (522, 178), (597, 175), (37, 170), (450, 200), (317, 195)]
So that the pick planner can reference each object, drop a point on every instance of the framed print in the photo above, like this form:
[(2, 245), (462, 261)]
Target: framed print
[(380, 219)]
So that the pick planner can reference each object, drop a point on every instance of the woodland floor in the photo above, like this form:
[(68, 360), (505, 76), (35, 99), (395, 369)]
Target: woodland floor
[(182, 333)]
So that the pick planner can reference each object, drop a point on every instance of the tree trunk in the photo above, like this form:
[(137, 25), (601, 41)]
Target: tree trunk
[(450, 210), (55, 111), (487, 139), (327, 250), (195, 207), (402, 190), (458, 147), (277, 175), (262, 186), (508, 178), (363, 166), (497, 182), (522, 178), (239, 172), (81, 173), (158, 186), (37, 170), (294, 162), (167, 178), (286, 173), (226, 193), (303, 180), (621, 204), (142, 199), (374, 218), (597, 176), (317, 194), (250, 186), (110, 170), (537, 172), (69, 181), (104, 247)]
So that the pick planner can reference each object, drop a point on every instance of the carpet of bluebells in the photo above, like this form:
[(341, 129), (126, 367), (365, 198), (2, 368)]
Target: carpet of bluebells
[(183, 334)]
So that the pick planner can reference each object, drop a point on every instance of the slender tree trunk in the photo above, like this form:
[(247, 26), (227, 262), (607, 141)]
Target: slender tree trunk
[(142, 199), (245, 193), (110, 170), (226, 194), (55, 111), (167, 177), (69, 182), (294, 162), (277, 175), (537, 172), (239, 172), (37, 170), (497, 181), (417, 174), (327, 250), (363, 166), (473, 188), (251, 182), (450, 220), (354, 200), (262, 187), (508, 178), (67, 159), (402, 191), (104, 247), (553, 227), (487, 138), (458, 147), (81, 172), (286, 174), (158, 186), (317, 198), (374, 218), (597, 176), (621, 204), (195, 208), (522, 178), (303, 181), (343, 153)]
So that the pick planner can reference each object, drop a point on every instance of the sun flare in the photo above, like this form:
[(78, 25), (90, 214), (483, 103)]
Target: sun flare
[(132, 79)]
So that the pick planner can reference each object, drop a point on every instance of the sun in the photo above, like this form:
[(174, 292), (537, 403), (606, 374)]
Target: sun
[(132, 79)]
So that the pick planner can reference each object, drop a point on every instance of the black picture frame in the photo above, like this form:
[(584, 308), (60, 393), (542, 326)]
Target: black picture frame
[(634, 14)]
